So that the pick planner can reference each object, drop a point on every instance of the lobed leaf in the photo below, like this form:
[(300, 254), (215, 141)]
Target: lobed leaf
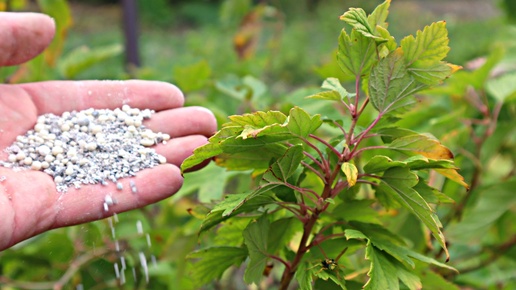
[(398, 183), (303, 276), (380, 163), (357, 210), (379, 15), (391, 85), (429, 46), (225, 209), (286, 165), (258, 119), (301, 124), (256, 239), (335, 85), (503, 87), (356, 54), (214, 261), (357, 18), (382, 273)]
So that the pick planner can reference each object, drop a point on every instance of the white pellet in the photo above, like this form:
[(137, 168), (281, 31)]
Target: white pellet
[(147, 142), (91, 146), (20, 156), (57, 150), (11, 158), (43, 150), (36, 165)]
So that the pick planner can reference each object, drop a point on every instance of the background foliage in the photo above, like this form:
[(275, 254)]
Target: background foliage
[(236, 56)]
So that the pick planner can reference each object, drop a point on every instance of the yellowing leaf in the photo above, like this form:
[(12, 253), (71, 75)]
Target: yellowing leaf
[(422, 145), (452, 174), (351, 172)]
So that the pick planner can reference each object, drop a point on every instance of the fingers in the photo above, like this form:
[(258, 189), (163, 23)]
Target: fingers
[(178, 149), (87, 203), (183, 122), (60, 96), (23, 36), (30, 204)]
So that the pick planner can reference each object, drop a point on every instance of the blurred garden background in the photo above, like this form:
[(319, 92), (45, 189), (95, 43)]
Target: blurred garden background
[(236, 56)]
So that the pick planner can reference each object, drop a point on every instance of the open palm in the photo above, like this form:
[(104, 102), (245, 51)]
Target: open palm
[(29, 202)]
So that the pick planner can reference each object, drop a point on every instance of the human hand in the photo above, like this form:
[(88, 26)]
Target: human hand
[(29, 201)]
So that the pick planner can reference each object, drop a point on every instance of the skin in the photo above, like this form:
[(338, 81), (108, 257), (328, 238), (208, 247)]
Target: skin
[(29, 202)]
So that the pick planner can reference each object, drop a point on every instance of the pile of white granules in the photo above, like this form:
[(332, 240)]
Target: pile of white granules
[(88, 147)]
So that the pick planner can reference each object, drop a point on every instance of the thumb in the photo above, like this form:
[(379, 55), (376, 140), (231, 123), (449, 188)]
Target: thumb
[(23, 36)]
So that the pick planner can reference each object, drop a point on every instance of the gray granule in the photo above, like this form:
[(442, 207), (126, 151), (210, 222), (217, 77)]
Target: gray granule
[(88, 147)]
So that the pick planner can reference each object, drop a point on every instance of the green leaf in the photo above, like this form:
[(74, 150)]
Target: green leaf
[(216, 215), (286, 165), (419, 162), (390, 243), (82, 58), (237, 200), (354, 234), (230, 232), (255, 238), (351, 172), (326, 95), (390, 84), (379, 15), (380, 163), (193, 77), (59, 10), (214, 261), (334, 84), (503, 87), (398, 184), (203, 183), (201, 154), (429, 46), (356, 53), (300, 123), (303, 276), (336, 91), (432, 74), (357, 18), (424, 145), (357, 210), (258, 119), (430, 194), (382, 272), (493, 201), (280, 233), (258, 158)]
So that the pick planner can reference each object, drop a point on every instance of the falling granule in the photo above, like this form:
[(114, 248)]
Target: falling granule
[(148, 240), (143, 262), (134, 274), (117, 272), (79, 287), (3, 178), (122, 277), (88, 147), (139, 227), (154, 261)]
